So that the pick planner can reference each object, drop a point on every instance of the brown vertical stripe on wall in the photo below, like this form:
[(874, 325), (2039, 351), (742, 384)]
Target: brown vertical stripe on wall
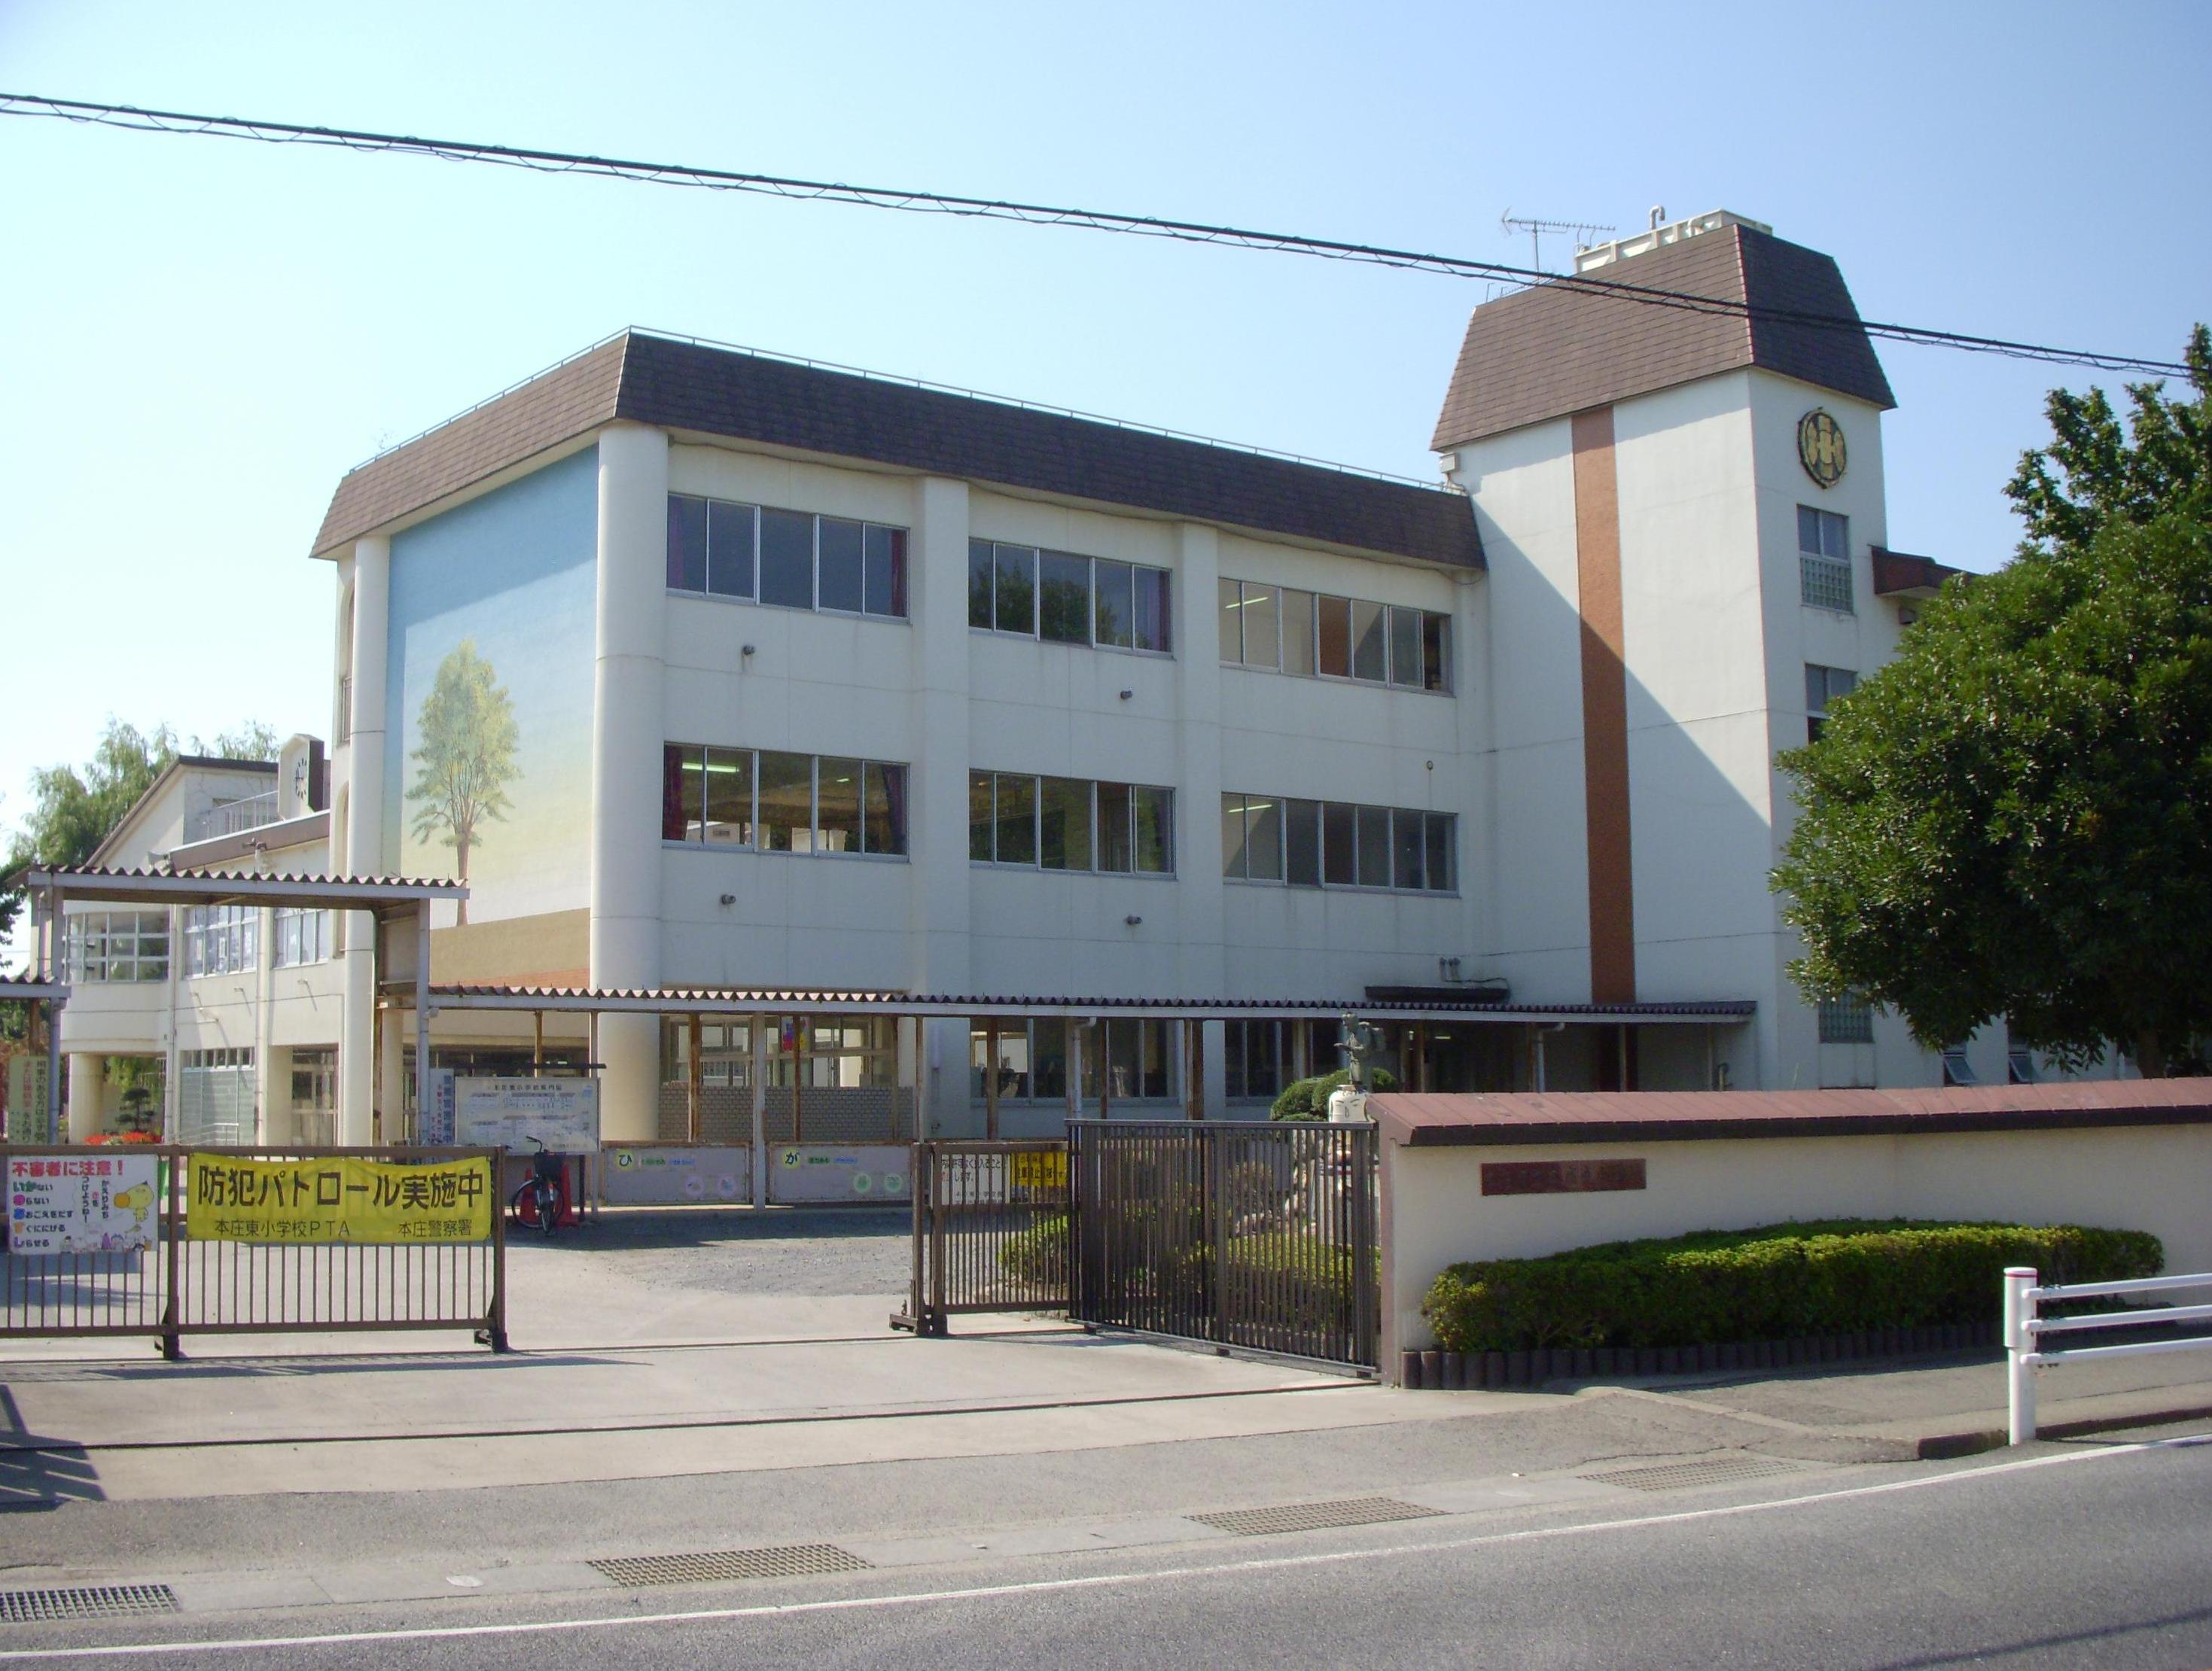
[(1605, 711)]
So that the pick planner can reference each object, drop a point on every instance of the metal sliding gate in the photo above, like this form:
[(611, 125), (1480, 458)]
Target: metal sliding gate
[(1258, 1237)]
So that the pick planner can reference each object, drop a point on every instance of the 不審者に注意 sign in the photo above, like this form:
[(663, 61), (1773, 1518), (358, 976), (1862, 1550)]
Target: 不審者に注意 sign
[(67, 1204)]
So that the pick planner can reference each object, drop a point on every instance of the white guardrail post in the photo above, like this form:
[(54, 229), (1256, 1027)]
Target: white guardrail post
[(2020, 1343)]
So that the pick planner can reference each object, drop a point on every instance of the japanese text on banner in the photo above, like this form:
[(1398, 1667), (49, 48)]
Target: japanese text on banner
[(337, 1199)]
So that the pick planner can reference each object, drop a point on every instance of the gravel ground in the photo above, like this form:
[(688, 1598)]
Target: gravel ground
[(788, 1251)]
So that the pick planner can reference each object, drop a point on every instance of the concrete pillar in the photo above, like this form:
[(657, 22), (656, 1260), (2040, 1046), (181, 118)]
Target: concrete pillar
[(627, 733), (1202, 970), (938, 916), (364, 854), (266, 1077), (85, 1072)]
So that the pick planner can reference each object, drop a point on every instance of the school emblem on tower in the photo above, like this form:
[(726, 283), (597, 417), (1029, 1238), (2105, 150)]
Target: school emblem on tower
[(1821, 447)]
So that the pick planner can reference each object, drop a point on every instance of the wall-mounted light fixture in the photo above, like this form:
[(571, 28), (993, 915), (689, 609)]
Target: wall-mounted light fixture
[(1906, 615), (746, 652), (1125, 695), (729, 899), (1133, 920)]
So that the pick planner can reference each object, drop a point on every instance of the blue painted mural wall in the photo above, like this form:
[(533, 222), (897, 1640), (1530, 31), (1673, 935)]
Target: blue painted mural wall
[(498, 598)]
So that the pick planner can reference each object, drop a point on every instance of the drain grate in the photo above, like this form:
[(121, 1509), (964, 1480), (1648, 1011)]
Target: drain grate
[(1313, 1516), (788, 1560), (29, 1607), (1673, 1476)]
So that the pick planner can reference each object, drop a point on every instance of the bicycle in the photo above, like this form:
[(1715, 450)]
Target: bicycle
[(541, 1201)]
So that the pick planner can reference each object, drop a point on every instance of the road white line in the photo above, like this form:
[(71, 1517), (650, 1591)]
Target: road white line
[(1101, 1581)]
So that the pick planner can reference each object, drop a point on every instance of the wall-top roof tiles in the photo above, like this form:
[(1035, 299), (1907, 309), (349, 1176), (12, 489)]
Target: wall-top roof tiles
[(1562, 347), (718, 391)]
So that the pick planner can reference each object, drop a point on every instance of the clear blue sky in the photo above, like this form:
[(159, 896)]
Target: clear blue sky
[(202, 336)]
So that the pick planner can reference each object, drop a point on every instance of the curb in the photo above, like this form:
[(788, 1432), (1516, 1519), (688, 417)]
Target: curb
[(1943, 1446)]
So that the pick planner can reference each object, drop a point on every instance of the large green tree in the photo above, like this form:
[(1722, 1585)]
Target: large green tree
[(2014, 816), (466, 756)]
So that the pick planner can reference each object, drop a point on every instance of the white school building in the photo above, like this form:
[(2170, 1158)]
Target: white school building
[(705, 669)]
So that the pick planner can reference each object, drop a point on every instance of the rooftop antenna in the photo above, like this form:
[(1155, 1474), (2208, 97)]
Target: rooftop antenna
[(1584, 233)]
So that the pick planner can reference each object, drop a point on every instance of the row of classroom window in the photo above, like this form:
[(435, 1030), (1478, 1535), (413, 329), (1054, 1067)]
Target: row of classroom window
[(128, 947), (775, 802), (1125, 1059), (799, 560)]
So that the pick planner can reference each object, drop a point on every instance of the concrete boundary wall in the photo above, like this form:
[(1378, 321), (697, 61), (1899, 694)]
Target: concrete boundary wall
[(2154, 1178)]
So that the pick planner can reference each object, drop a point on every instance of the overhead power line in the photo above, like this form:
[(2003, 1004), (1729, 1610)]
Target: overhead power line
[(136, 119)]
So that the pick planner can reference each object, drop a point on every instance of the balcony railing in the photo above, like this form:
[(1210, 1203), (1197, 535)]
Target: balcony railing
[(234, 817)]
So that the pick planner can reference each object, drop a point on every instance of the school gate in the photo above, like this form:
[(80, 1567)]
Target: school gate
[(1255, 1238)]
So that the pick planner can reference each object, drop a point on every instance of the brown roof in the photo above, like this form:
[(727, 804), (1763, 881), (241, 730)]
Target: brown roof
[(1900, 574), (1566, 346), (1426, 1118), (685, 385)]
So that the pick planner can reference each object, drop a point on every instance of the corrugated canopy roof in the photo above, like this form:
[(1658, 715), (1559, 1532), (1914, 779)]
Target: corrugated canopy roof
[(819, 1001), (721, 391), (1565, 347), (220, 887)]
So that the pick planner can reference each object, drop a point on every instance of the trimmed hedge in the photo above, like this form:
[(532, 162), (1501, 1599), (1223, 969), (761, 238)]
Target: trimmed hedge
[(1038, 1256), (1308, 1099), (1837, 1277)]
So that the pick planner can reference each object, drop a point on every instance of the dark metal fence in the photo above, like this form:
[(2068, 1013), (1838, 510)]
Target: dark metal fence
[(1257, 1236), (180, 1285), (991, 1231)]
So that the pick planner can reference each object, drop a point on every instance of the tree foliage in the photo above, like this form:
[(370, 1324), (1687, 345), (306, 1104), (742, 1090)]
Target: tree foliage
[(2098, 470), (466, 758), (2014, 816)]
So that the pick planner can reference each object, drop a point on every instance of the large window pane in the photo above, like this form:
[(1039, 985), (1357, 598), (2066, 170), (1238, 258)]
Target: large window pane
[(981, 822), (884, 590), (1153, 1081), (1017, 604), (1302, 843), (1235, 850), (1262, 628), (786, 559), (1116, 612), (1333, 619), (1117, 849), (730, 549), (1016, 819), (1407, 847), (683, 792), (1065, 824), (980, 565), (1124, 1058), (1369, 660), (1339, 845), (1808, 530), (838, 586), (1405, 646), (1298, 632), (883, 815), (1153, 610), (1436, 653), (787, 801), (1064, 598), (1263, 839), (1374, 847), (1048, 1057), (1155, 820), (730, 796), (1440, 870), (687, 543), (1232, 622), (837, 814)]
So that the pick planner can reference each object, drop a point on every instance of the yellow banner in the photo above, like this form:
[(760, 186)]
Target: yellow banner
[(337, 1199), (1038, 1168)]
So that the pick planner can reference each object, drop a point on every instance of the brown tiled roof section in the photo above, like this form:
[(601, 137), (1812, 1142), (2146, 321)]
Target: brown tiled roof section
[(1421, 1119), (1554, 350), (1896, 572), (724, 392), (574, 397)]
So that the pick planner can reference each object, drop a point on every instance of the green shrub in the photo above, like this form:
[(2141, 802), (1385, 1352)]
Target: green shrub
[(1829, 1278), (1308, 1099), (1038, 1256)]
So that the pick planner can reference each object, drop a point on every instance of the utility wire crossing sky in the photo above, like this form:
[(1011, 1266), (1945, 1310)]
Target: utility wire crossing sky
[(137, 119)]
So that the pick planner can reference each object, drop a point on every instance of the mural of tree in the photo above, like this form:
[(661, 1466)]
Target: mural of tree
[(466, 756)]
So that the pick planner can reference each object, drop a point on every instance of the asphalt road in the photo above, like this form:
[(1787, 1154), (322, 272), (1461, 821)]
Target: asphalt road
[(2061, 1557)]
